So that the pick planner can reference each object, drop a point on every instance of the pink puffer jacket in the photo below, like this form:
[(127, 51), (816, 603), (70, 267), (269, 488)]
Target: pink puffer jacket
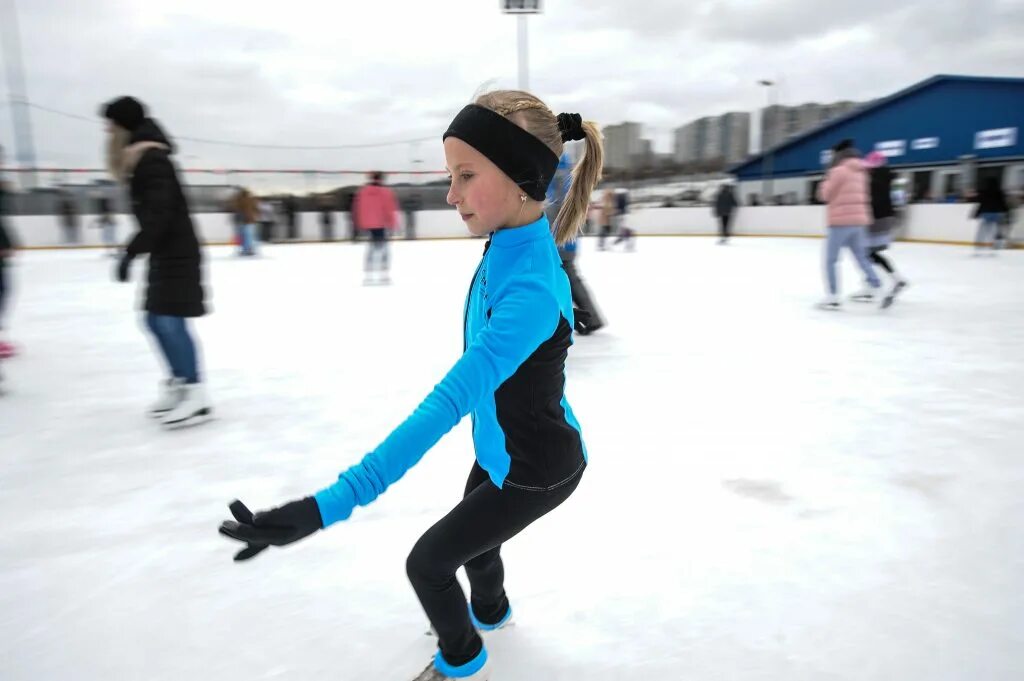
[(375, 208), (845, 190)]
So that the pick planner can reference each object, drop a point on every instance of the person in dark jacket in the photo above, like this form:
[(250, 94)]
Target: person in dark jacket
[(105, 221), (725, 206), (139, 155), (7, 246), (883, 212), (347, 197), (291, 213), (410, 206), (586, 318), (991, 212), (68, 218), (326, 205)]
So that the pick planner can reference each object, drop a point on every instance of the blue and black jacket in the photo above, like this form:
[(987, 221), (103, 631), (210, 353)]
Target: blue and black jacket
[(510, 379)]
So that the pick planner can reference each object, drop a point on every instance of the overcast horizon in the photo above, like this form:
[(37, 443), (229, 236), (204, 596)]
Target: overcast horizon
[(304, 75)]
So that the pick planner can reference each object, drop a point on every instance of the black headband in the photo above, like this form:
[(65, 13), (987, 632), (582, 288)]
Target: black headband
[(520, 155)]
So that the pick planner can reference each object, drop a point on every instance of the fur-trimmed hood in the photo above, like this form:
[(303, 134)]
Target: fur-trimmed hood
[(149, 135)]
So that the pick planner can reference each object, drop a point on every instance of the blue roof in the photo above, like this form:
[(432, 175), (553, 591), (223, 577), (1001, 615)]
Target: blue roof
[(931, 122)]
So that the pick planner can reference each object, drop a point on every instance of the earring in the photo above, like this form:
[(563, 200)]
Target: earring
[(522, 198)]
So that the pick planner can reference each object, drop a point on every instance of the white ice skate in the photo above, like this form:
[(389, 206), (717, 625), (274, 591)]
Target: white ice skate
[(171, 394), (866, 295), (193, 409), (830, 303)]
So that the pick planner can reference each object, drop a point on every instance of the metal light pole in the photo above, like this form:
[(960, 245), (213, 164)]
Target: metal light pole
[(768, 158), (524, 55), (24, 149), (522, 8)]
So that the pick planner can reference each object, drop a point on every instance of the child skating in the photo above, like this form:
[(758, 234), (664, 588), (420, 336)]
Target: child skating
[(517, 330), (879, 234)]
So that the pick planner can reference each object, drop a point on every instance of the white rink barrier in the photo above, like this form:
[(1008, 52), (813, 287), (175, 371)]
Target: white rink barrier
[(947, 223)]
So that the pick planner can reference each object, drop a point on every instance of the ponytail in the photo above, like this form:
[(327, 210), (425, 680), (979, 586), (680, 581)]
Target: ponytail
[(585, 177)]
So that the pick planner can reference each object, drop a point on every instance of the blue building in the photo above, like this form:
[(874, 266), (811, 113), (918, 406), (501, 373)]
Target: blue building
[(943, 136)]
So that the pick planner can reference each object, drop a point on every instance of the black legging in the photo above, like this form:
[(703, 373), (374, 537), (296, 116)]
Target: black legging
[(471, 535), (880, 260), (725, 221)]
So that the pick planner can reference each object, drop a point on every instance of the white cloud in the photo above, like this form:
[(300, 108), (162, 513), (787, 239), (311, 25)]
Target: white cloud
[(307, 72)]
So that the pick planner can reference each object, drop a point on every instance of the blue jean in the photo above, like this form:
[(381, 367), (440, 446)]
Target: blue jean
[(176, 345), (248, 239), (854, 238)]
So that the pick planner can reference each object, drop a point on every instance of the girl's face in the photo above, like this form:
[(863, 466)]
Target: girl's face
[(485, 197)]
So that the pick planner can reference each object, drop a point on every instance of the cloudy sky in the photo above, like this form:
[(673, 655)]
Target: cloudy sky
[(315, 73)]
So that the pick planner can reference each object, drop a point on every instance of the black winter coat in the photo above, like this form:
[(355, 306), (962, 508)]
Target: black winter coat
[(881, 193), (6, 241), (992, 199), (725, 202), (165, 231)]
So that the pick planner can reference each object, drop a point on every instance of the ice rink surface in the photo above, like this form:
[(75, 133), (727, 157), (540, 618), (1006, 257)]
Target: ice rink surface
[(774, 492)]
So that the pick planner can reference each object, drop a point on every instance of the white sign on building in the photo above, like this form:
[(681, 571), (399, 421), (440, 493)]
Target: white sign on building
[(892, 148), (996, 138), (826, 157), (923, 143)]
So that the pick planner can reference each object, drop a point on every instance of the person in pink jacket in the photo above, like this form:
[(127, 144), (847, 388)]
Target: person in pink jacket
[(846, 191), (376, 211)]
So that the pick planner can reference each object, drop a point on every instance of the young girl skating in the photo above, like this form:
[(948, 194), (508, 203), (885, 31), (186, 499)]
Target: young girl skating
[(502, 153)]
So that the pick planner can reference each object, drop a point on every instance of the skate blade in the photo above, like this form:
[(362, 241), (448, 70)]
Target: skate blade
[(200, 417)]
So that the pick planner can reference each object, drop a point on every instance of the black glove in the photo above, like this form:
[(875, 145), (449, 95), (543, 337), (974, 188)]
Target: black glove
[(122, 267), (279, 526)]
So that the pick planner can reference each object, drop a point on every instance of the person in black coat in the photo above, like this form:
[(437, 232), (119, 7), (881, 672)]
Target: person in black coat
[(992, 211), (139, 155), (725, 206), (68, 218), (410, 206), (7, 246), (883, 212)]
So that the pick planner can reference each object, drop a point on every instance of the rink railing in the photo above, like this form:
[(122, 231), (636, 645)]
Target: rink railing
[(935, 223)]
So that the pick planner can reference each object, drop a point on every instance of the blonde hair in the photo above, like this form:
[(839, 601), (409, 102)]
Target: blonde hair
[(531, 114)]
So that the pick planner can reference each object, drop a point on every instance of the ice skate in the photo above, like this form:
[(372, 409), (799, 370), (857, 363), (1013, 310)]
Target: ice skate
[(830, 303), (476, 669), (193, 409), (506, 622), (865, 295), (171, 394)]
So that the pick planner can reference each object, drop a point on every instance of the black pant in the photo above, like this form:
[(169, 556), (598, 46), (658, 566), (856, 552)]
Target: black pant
[(875, 254), (471, 535), (266, 231), (606, 231), (726, 223)]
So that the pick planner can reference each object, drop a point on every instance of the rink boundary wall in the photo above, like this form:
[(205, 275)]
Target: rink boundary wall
[(925, 223)]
